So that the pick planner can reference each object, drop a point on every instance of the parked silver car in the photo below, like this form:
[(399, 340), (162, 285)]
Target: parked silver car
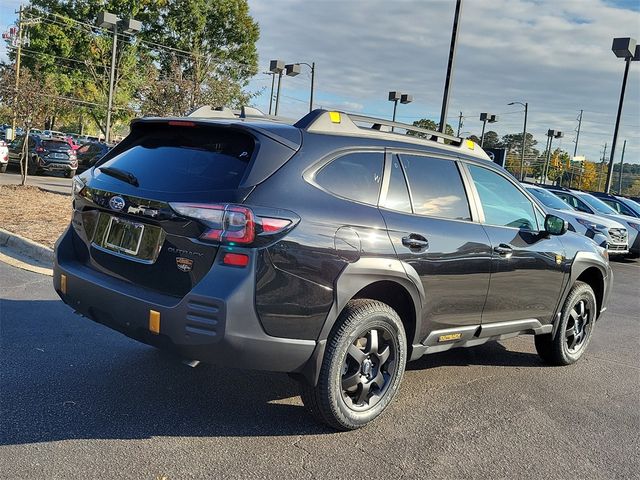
[(607, 233), (587, 203)]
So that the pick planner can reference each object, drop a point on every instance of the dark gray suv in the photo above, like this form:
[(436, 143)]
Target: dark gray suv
[(329, 249)]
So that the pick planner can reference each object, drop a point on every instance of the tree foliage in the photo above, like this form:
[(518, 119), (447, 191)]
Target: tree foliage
[(189, 53), (429, 125)]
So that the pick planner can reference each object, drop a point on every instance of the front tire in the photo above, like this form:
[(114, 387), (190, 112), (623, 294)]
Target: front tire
[(362, 367), (574, 331), (69, 173), (3, 168)]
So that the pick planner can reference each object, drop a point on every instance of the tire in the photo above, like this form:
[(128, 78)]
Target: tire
[(69, 173), (348, 394), (577, 321), (3, 168), (32, 167)]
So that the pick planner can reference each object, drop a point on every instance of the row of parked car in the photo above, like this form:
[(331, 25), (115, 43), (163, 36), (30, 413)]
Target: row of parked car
[(50, 151), (611, 221)]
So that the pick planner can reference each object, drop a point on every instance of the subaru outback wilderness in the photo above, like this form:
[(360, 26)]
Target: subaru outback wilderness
[(333, 249)]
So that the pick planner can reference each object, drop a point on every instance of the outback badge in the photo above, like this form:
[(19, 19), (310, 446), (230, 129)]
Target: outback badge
[(184, 264)]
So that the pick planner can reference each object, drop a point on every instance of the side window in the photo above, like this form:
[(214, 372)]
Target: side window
[(398, 194), (619, 207), (503, 204), (574, 202), (436, 187), (356, 176)]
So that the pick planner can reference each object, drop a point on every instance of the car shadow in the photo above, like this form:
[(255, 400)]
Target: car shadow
[(63, 377), (488, 354)]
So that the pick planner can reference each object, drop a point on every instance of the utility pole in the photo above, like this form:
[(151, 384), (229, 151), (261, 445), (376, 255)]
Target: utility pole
[(449, 76), (18, 58), (460, 123), (604, 156), (575, 149), (624, 146)]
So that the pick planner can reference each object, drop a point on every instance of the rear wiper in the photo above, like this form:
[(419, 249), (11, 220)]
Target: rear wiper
[(123, 175)]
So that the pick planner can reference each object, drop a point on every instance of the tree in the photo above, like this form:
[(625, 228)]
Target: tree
[(491, 140), (633, 190), (588, 178), (31, 102), (217, 51), (211, 42), (513, 142), (429, 125)]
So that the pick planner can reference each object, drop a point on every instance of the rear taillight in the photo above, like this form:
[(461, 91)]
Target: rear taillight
[(228, 223)]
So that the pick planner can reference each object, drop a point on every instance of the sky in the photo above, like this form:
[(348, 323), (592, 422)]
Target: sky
[(554, 54)]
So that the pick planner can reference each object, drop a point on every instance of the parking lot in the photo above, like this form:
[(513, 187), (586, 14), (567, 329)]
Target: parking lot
[(81, 401)]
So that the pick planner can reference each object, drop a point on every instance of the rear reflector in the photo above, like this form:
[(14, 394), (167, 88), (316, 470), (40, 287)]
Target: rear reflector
[(154, 321), (235, 259), (271, 225), (63, 284)]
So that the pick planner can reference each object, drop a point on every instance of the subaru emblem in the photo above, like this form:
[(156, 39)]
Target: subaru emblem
[(116, 203)]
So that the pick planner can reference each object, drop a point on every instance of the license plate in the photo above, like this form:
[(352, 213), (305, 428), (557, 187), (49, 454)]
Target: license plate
[(123, 236), (57, 155)]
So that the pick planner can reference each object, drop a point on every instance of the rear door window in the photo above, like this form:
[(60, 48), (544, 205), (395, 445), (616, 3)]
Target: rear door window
[(356, 176), (436, 187), (179, 159)]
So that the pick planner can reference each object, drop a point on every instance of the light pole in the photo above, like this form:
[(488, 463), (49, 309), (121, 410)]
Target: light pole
[(551, 134), (128, 25), (623, 48), (449, 75), (524, 136), (277, 67), (293, 69), (273, 81), (403, 98), (624, 146), (484, 118)]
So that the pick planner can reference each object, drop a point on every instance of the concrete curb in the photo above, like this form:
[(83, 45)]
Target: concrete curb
[(26, 247)]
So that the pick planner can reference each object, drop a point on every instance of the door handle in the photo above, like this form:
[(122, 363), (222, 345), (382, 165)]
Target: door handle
[(415, 241), (503, 250)]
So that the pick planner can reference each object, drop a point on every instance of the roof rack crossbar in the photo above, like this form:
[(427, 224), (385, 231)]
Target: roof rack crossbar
[(405, 126)]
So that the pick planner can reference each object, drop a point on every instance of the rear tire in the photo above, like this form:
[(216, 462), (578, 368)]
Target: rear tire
[(574, 331), (362, 367), (69, 173)]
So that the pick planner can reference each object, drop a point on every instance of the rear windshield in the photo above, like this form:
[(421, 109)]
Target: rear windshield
[(179, 159), (55, 145)]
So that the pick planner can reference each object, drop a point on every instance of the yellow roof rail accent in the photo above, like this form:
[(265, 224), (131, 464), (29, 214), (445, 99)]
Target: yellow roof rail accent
[(471, 145), (335, 117)]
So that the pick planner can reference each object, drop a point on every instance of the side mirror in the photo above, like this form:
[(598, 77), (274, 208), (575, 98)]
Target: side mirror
[(554, 225)]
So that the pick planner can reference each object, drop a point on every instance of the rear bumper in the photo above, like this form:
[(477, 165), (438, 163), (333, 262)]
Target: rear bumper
[(215, 322), (56, 167)]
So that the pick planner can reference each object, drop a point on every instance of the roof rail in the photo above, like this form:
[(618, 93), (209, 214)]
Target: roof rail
[(324, 121)]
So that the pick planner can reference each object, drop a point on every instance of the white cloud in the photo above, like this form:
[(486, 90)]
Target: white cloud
[(554, 54)]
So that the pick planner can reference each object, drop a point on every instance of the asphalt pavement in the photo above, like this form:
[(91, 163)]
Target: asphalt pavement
[(78, 400), (52, 182)]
